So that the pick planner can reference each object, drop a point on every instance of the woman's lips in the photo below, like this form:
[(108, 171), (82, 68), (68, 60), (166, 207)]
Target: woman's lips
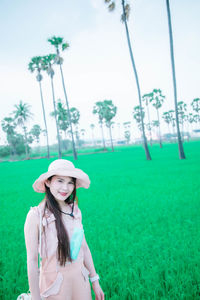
[(63, 194)]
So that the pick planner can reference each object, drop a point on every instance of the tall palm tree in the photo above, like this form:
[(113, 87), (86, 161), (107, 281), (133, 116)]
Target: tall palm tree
[(47, 62), (167, 118), (22, 114), (62, 117), (146, 98), (36, 65), (124, 18), (35, 131), (92, 126), (190, 120), (109, 113), (196, 106), (8, 125), (180, 144), (182, 108), (59, 44), (137, 116), (127, 133), (157, 100), (98, 109), (119, 133), (155, 124), (75, 116)]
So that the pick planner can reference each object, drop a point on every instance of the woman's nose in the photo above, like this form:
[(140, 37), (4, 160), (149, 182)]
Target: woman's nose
[(65, 186)]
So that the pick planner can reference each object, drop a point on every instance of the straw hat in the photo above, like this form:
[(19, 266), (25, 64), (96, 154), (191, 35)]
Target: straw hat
[(62, 167)]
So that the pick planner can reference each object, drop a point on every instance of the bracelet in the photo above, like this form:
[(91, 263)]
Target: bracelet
[(95, 278)]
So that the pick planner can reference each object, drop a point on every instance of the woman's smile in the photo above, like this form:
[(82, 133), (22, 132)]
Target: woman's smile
[(63, 194)]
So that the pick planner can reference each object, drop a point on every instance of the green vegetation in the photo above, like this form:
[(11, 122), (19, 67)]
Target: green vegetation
[(141, 220)]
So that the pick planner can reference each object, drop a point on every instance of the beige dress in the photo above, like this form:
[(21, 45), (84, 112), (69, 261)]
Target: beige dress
[(69, 282)]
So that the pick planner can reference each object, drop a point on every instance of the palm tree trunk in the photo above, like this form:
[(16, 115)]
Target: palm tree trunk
[(149, 124), (180, 145), (93, 138), (137, 83), (182, 131), (159, 129), (68, 113), (54, 105), (26, 142), (45, 123), (104, 145), (173, 125), (168, 128), (111, 138)]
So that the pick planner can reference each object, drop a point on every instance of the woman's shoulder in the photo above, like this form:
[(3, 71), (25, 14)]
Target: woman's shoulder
[(77, 212), (34, 213)]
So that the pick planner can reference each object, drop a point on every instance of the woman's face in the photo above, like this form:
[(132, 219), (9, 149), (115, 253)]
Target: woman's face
[(61, 187)]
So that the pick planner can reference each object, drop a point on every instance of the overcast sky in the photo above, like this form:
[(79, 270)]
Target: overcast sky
[(97, 65)]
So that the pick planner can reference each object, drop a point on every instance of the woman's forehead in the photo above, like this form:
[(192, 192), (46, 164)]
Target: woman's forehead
[(63, 177)]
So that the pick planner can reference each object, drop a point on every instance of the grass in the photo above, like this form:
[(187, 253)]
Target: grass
[(141, 221)]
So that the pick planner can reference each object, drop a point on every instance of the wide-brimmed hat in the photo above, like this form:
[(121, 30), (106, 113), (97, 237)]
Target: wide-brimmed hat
[(62, 167)]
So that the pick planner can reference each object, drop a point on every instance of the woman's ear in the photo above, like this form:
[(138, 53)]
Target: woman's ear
[(47, 182)]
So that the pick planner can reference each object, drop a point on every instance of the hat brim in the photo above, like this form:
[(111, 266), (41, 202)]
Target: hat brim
[(82, 179)]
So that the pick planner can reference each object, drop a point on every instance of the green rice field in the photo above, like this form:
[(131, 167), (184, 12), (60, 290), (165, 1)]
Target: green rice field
[(141, 220)]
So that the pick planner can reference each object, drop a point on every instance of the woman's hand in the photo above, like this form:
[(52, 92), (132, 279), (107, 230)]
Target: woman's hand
[(99, 295)]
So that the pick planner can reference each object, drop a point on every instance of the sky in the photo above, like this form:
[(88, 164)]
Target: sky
[(97, 64)]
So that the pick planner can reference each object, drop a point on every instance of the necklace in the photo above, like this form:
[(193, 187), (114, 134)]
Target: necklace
[(71, 214)]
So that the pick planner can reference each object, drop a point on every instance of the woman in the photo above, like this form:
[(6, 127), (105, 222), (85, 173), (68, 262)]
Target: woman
[(66, 260)]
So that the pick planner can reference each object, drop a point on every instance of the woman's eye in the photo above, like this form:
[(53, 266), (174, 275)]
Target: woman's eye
[(71, 182), (60, 180)]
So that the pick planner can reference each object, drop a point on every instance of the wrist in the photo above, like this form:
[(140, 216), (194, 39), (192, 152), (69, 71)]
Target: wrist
[(94, 278)]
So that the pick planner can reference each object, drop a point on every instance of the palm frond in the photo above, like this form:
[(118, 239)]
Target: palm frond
[(111, 6), (31, 67), (65, 46), (125, 15), (55, 41)]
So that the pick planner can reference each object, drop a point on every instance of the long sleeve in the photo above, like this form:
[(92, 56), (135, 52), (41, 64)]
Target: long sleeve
[(31, 239), (88, 261)]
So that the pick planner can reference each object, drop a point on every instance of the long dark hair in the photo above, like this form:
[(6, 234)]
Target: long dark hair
[(63, 239)]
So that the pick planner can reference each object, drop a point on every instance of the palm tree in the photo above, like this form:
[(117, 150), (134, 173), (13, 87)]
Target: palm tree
[(47, 62), (62, 117), (119, 135), (22, 114), (35, 132), (155, 123), (182, 108), (173, 120), (75, 116), (157, 100), (193, 119), (109, 113), (180, 144), (124, 18), (146, 98), (196, 106), (127, 133), (58, 43), (83, 135), (8, 125), (137, 116), (99, 109), (36, 65), (167, 118), (190, 120), (92, 126)]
